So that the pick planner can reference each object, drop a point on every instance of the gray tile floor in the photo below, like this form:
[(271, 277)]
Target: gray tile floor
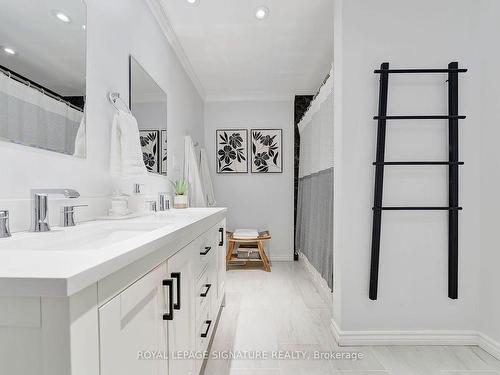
[(282, 311)]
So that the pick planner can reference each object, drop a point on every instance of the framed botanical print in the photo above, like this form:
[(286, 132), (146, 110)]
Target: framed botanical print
[(150, 143), (232, 151), (267, 151), (163, 152)]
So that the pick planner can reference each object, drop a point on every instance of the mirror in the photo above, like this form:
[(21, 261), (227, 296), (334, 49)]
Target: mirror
[(148, 103), (42, 74)]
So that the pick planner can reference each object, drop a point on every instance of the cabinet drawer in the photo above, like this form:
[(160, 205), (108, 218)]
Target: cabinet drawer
[(204, 328), (208, 250), (206, 253), (203, 250), (204, 291), (202, 342)]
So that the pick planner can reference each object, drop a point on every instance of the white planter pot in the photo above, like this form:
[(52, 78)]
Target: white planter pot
[(181, 201)]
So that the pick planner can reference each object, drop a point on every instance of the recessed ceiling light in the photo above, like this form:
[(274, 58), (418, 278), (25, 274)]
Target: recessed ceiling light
[(193, 2), (63, 17), (261, 12), (9, 50), (84, 27)]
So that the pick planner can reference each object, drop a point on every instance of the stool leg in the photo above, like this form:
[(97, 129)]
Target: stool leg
[(229, 254), (263, 256)]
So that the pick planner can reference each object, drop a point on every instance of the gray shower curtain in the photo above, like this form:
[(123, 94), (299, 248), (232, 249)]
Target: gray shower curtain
[(29, 117), (314, 234), (314, 229)]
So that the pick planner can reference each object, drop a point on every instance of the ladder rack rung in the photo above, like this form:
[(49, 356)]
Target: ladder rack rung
[(417, 208), (425, 117), (419, 163), (420, 71)]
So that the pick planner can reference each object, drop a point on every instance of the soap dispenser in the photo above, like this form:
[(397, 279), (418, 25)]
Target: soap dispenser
[(137, 201)]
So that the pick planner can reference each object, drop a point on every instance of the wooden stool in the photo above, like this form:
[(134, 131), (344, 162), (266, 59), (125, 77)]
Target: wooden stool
[(248, 243)]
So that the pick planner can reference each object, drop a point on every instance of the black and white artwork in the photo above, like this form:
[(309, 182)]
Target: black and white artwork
[(163, 151), (232, 151), (267, 153), (150, 143)]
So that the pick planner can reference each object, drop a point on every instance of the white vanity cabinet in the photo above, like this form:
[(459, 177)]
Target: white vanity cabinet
[(206, 290), (163, 322), (148, 306)]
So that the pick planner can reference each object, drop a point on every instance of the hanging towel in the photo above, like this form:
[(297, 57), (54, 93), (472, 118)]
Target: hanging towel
[(206, 179), (81, 136), (126, 153), (196, 195)]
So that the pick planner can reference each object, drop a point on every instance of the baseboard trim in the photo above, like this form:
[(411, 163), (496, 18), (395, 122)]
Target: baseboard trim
[(489, 345), (377, 338), (318, 281)]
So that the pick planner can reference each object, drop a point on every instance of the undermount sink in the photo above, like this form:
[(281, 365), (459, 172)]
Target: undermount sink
[(90, 236)]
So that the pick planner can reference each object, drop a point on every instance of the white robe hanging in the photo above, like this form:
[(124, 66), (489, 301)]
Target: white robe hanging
[(206, 179), (196, 194)]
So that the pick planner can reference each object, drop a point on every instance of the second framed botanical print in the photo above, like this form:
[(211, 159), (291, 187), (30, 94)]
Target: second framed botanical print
[(150, 140), (267, 151), (163, 153), (232, 151)]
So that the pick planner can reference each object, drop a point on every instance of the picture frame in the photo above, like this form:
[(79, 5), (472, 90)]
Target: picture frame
[(150, 144), (163, 153), (231, 151), (267, 150)]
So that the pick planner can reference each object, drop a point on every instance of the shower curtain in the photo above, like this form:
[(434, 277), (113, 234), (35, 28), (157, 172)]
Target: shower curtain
[(29, 117), (314, 231)]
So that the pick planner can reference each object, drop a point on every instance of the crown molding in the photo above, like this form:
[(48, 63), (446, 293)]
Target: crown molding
[(249, 98), (165, 25)]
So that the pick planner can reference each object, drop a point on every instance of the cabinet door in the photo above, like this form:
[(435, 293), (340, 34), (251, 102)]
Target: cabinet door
[(221, 262), (132, 328), (181, 329)]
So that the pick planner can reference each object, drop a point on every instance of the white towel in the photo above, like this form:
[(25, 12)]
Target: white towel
[(206, 179), (126, 152), (80, 139), (196, 195), (245, 234)]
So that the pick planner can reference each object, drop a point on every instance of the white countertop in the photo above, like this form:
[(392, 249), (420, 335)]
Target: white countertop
[(59, 272)]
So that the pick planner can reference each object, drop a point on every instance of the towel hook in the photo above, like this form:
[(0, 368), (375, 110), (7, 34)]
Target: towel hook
[(114, 97)]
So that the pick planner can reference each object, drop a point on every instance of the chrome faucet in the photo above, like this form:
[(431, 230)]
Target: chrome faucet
[(40, 208), (68, 215), (164, 201)]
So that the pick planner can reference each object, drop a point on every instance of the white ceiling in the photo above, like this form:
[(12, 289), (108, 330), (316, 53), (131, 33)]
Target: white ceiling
[(235, 56), (49, 52)]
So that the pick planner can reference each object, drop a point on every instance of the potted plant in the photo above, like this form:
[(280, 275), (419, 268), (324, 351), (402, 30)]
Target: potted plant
[(181, 189)]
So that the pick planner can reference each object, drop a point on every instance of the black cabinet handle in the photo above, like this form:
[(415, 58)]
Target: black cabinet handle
[(170, 314), (177, 276), (221, 232), (208, 323), (207, 249), (205, 293)]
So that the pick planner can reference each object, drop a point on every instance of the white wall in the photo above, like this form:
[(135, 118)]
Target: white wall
[(413, 263), (263, 201), (489, 318), (116, 28)]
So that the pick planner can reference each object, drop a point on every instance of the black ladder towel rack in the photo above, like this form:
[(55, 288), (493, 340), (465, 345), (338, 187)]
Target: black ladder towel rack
[(453, 163)]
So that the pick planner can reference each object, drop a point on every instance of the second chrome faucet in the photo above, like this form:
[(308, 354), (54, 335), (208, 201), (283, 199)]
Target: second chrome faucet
[(40, 208)]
